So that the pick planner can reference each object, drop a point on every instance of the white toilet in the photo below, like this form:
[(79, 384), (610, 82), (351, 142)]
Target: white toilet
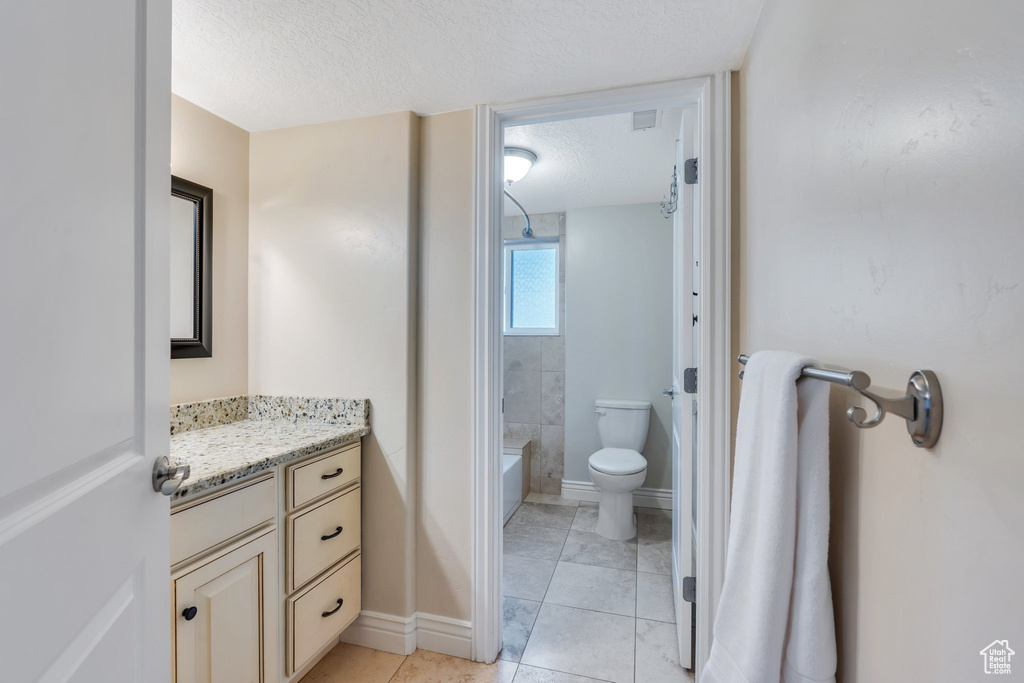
[(618, 469)]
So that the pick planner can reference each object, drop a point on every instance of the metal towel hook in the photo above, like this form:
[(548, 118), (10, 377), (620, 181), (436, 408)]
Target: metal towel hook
[(903, 406), (921, 407)]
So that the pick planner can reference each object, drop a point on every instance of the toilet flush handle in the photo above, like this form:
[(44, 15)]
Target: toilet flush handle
[(600, 411)]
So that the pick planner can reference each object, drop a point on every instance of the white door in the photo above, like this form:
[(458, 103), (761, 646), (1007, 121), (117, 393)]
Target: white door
[(84, 195), (684, 405)]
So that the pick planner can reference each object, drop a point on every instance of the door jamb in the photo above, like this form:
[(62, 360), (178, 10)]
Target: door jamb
[(711, 93)]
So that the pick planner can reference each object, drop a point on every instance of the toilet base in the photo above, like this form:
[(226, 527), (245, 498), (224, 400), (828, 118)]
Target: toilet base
[(615, 518)]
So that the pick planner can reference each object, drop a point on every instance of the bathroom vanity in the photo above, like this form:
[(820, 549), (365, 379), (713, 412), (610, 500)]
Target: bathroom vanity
[(265, 535)]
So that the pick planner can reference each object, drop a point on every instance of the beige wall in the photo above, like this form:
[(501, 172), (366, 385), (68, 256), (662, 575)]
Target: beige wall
[(212, 152), (446, 364), (332, 306), (881, 158)]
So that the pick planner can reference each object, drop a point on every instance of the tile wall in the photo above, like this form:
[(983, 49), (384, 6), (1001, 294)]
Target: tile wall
[(535, 375)]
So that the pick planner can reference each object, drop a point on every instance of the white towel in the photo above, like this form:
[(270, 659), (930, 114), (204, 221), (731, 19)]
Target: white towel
[(774, 619)]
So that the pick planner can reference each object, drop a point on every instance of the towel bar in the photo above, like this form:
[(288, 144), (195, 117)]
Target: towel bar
[(921, 407)]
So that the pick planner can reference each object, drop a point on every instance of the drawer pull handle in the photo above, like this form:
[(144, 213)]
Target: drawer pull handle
[(332, 476), (330, 536), (189, 613), (327, 614)]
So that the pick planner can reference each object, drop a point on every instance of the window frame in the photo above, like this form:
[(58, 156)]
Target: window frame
[(525, 244)]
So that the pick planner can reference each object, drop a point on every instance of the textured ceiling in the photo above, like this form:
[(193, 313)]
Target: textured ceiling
[(265, 64), (595, 161)]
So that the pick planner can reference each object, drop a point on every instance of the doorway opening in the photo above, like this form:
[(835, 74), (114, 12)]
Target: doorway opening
[(587, 308)]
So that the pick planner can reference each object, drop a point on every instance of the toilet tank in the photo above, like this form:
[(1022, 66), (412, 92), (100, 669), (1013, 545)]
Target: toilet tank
[(622, 423)]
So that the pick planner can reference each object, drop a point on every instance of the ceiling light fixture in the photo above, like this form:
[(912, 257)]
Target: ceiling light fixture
[(518, 162)]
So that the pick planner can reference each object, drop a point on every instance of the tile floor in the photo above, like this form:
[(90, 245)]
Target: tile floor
[(353, 664), (577, 609)]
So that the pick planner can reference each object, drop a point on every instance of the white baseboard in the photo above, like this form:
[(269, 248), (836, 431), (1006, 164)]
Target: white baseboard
[(642, 497), (445, 635), (382, 632), (402, 635)]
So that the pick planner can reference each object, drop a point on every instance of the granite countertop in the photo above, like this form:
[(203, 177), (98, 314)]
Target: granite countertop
[(220, 453)]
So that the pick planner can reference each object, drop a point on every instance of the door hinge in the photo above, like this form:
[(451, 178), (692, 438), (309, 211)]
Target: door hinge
[(690, 588), (690, 380), (690, 171), (502, 406)]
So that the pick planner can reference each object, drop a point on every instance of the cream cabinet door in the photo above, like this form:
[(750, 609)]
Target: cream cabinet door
[(226, 616)]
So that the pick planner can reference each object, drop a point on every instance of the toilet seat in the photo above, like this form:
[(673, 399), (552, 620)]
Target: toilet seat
[(618, 461)]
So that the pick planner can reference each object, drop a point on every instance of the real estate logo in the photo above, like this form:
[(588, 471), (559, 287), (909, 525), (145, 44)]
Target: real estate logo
[(997, 657)]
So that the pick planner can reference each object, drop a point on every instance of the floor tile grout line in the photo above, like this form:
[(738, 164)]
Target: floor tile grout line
[(595, 611), (404, 658), (636, 607), (567, 673), (527, 643), (546, 589), (636, 612), (636, 626)]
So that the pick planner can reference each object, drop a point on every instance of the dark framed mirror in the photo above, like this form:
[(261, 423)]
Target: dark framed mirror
[(191, 228)]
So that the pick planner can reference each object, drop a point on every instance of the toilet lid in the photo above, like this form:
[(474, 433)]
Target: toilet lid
[(618, 461)]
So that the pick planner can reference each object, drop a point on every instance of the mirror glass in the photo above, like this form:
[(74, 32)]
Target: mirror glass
[(184, 267), (191, 272)]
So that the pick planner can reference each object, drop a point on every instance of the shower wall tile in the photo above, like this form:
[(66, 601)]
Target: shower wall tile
[(561, 311), (561, 264), (543, 225), (522, 396), (523, 353), (517, 430), (552, 398), (535, 375), (551, 486), (552, 354), (552, 451)]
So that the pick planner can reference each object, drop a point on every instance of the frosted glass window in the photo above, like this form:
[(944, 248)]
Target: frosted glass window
[(531, 288)]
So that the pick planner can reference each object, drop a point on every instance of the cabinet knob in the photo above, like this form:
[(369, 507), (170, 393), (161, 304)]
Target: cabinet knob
[(189, 613)]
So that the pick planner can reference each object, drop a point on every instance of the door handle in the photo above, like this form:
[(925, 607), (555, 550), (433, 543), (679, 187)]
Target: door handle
[(670, 392), (167, 478)]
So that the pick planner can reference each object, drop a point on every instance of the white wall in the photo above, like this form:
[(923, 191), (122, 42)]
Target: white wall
[(881, 155), (618, 319), (210, 151), (333, 269)]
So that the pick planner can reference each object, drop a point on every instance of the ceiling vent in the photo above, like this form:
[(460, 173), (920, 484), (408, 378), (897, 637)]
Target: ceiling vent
[(644, 120)]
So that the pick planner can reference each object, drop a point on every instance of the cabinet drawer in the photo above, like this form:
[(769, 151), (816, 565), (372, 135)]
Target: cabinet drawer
[(200, 527), (321, 536), (321, 612), (310, 480)]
